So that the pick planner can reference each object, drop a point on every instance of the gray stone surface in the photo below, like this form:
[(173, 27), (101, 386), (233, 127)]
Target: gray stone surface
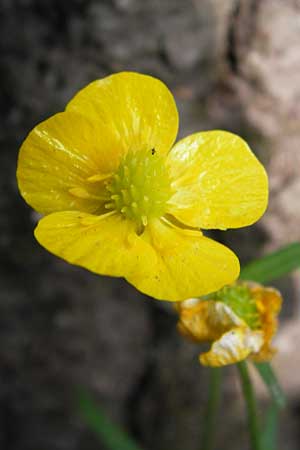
[(232, 64)]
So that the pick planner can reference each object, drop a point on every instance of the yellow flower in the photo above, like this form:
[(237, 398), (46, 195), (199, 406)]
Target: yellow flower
[(120, 201), (240, 321)]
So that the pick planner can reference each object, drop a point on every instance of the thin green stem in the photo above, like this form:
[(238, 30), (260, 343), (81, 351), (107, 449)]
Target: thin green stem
[(251, 405), (269, 378), (214, 395)]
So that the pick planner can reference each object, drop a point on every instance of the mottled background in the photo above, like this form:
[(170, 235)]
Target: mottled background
[(232, 64)]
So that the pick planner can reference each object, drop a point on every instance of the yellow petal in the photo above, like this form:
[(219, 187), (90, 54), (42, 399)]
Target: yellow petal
[(162, 263), (186, 265), (138, 107), (219, 183), (105, 244), (232, 347), (58, 157)]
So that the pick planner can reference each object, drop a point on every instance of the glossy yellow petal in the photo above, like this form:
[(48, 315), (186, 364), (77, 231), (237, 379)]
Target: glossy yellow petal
[(138, 107), (187, 264), (218, 181), (234, 346), (161, 263), (59, 158), (105, 244)]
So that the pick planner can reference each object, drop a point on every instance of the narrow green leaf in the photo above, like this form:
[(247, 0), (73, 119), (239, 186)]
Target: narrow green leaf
[(270, 430), (269, 378), (251, 406), (273, 266), (211, 413), (109, 433)]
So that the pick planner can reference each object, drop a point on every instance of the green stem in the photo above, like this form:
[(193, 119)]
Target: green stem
[(268, 376), (214, 395), (251, 405)]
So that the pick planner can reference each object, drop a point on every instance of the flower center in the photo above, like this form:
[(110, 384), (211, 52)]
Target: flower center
[(238, 297), (140, 188)]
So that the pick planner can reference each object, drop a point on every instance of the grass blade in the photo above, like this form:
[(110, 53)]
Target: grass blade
[(273, 266), (269, 378), (110, 434), (269, 434), (210, 418)]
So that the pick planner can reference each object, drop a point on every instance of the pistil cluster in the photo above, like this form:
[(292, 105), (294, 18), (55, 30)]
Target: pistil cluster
[(140, 188)]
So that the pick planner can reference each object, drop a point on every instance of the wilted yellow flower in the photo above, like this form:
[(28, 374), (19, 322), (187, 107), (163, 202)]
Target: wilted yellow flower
[(240, 321), (119, 200)]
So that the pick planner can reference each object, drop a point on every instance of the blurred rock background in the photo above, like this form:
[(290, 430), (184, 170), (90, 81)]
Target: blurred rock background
[(232, 64)]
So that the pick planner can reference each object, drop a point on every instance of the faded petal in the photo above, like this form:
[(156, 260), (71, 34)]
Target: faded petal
[(193, 320), (205, 320), (269, 303), (234, 346)]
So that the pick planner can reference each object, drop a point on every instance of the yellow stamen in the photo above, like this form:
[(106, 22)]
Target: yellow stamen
[(92, 220), (99, 177), (185, 231), (84, 194)]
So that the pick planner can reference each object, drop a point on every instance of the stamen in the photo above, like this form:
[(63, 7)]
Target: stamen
[(84, 194), (93, 220), (125, 196), (185, 231), (187, 178), (109, 188), (99, 177), (133, 190), (144, 221), (109, 205)]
